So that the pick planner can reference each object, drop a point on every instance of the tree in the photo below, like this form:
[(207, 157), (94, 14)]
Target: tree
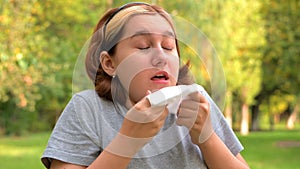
[(229, 25), (40, 41), (20, 71), (280, 54), (244, 37)]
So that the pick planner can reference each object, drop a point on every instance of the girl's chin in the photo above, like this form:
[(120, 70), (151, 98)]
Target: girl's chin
[(135, 97), (160, 86)]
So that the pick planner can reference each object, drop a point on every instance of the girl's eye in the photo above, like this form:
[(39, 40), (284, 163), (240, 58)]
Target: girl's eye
[(143, 48), (168, 44), (168, 48)]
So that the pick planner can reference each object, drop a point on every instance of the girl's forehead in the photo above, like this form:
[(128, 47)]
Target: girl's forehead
[(147, 24)]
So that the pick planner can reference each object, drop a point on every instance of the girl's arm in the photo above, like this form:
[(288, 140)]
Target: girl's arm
[(140, 125), (217, 155), (105, 160), (194, 113)]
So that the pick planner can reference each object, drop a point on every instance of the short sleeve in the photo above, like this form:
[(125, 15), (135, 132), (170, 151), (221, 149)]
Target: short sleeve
[(70, 142)]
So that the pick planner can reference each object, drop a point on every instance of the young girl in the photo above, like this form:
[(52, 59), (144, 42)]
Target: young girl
[(133, 53)]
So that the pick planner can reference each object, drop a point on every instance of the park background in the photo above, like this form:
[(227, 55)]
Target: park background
[(257, 42)]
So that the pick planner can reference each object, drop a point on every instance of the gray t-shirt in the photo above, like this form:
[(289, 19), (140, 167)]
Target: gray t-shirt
[(89, 123)]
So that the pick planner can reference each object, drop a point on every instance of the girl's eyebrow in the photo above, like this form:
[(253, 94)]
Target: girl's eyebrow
[(145, 33)]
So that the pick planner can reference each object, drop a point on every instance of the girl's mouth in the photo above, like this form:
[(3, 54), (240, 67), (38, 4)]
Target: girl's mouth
[(160, 76)]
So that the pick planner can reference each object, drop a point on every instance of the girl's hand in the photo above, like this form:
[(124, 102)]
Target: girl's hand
[(140, 125), (144, 121), (194, 113)]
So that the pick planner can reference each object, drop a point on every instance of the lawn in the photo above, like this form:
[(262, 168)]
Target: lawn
[(262, 150), (272, 150), (22, 152)]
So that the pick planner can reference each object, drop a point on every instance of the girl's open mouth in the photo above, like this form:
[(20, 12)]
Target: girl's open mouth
[(159, 76)]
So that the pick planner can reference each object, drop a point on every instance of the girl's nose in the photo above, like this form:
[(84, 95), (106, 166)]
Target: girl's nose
[(159, 58)]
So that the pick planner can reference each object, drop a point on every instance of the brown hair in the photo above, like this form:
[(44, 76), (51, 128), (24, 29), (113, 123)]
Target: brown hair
[(99, 43)]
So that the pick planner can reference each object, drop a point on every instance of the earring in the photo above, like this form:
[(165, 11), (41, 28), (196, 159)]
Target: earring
[(114, 75)]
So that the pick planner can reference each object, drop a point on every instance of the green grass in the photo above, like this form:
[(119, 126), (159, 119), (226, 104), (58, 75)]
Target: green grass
[(22, 152), (261, 150)]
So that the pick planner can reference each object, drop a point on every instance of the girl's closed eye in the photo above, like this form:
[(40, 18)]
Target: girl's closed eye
[(143, 47), (141, 44), (168, 45)]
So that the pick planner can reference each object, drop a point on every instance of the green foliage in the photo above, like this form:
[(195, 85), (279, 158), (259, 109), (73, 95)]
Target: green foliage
[(244, 37), (281, 55), (40, 42), (280, 60), (257, 43), (19, 72)]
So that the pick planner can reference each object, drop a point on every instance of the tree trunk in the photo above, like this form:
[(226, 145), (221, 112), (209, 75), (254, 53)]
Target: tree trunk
[(228, 115), (272, 122), (263, 94), (228, 109), (292, 118), (245, 120), (254, 117), (255, 112)]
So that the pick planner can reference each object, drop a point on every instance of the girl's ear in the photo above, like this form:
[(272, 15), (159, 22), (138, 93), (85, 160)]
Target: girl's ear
[(107, 63)]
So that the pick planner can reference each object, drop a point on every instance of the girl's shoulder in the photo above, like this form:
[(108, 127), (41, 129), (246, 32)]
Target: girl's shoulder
[(91, 96)]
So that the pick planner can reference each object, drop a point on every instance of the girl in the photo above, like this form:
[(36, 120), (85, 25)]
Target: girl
[(133, 53)]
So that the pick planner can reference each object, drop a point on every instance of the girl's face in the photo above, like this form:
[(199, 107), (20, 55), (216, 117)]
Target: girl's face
[(146, 57)]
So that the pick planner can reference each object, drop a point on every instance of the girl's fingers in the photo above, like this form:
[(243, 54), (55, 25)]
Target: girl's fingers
[(198, 97), (194, 113)]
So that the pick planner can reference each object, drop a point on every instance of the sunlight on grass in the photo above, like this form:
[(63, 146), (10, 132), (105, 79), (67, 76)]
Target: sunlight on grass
[(22, 152), (15, 151), (262, 150)]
